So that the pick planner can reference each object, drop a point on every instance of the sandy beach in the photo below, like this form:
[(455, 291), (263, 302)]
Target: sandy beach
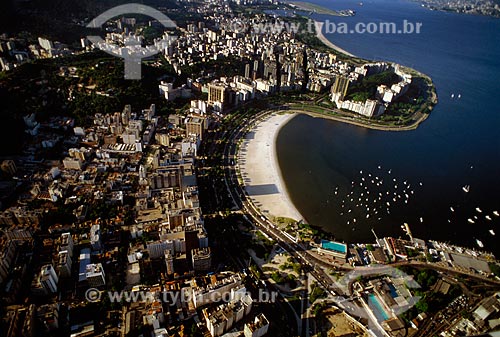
[(260, 171), (322, 37)]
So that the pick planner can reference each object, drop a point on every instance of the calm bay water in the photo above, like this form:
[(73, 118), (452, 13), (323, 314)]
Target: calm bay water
[(459, 144)]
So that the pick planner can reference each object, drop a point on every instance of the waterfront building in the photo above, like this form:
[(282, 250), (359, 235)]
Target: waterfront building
[(335, 249), (340, 86)]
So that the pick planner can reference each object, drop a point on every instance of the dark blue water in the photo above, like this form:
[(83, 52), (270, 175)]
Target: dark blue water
[(459, 144)]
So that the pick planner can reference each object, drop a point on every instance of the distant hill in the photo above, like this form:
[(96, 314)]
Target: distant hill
[(58, 19)]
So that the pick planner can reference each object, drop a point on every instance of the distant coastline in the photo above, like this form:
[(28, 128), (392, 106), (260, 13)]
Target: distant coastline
[(306, 6)]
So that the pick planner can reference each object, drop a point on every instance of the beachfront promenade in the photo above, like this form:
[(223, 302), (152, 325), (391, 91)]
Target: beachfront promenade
[(259, 167), (315, 264)]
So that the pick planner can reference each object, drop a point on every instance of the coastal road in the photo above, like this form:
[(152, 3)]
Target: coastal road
[(242, 203)]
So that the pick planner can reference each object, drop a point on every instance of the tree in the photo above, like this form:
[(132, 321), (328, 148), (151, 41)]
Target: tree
[(495, 268), (317, 293), (422, 305), (276, 277), (297, 267)]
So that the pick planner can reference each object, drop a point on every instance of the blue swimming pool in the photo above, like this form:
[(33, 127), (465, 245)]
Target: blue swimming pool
[(335, 246), (377, 308), (393, 291)]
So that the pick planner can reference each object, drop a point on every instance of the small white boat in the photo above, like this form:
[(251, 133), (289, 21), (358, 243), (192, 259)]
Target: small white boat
[(479, 243), (479, 210), (488, 217), (421, 219), (466, 188), (459, 96), (452, 95), (492, 232), (496, 213), (451, 208), (470, 220)]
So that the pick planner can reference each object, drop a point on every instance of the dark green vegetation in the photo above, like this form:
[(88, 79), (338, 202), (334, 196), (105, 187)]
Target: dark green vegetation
[(100, 87), (229, 66), (367, 87), (234, 234), (306, 231), (430, 301), (495, 268), (316, 293), (65, 20), (38, 87)]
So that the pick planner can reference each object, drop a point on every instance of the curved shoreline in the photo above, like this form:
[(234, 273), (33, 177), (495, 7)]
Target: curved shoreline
[(346, 120), (259, 167), (319, 34), (279, 203)]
